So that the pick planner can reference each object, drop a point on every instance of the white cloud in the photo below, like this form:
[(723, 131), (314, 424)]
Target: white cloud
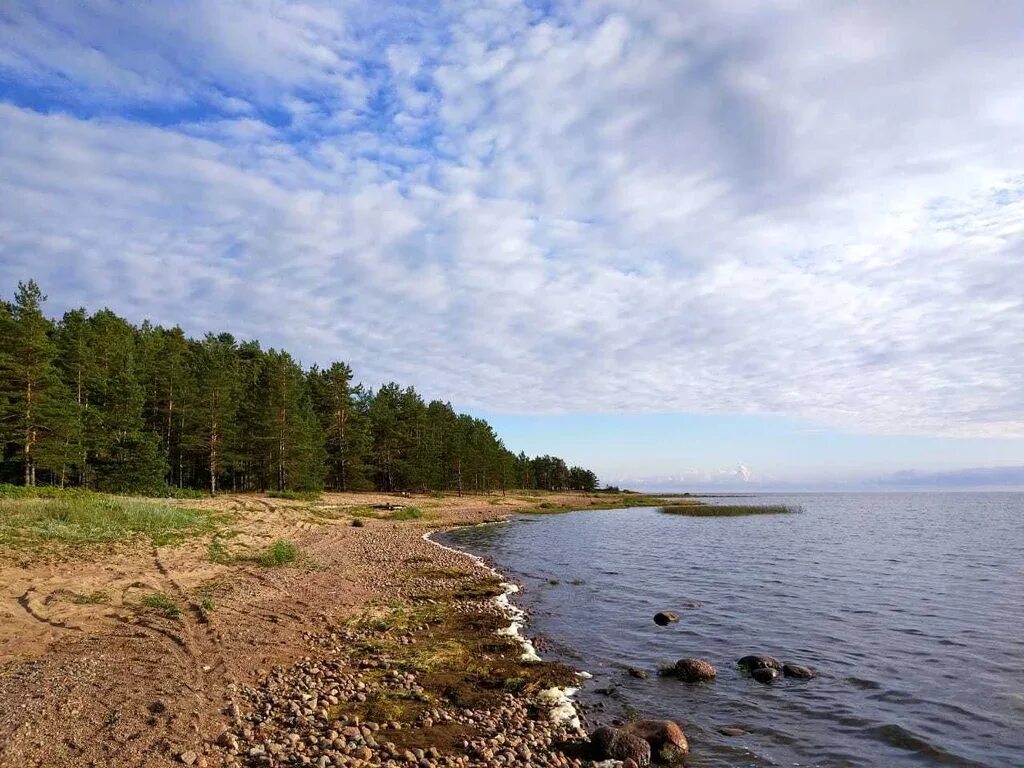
[(812, 210)]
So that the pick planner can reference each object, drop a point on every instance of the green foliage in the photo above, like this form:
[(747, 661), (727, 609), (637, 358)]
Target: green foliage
[(406, 513), (93, 401), (358, 523), (83, 517), (98, 597), (158, 601), (279, 553)]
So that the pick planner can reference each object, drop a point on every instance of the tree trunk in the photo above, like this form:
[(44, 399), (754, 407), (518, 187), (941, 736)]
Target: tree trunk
[(213, 460)]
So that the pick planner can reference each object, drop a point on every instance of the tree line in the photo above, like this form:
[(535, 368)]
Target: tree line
[(95, 402)]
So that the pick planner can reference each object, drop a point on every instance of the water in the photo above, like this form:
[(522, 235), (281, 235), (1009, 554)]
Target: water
[(909, 606)]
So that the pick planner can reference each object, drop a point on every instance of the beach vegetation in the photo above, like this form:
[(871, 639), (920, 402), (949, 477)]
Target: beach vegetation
[(729, 510), (162, 603), (98, 597), (280, 553), (80, 517)]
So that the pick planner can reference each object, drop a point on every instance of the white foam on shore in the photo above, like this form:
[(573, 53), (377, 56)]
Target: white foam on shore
[(562, 709)]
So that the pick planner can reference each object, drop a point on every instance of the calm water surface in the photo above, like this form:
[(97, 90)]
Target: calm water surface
[(909, 606)]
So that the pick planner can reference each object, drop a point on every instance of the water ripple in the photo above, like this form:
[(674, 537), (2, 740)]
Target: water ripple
[(908, 606)]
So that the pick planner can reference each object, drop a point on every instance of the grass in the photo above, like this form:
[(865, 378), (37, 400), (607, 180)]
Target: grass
[(597, 500), (99, 597), (158, 601), (402, 513), (728, 510), (30, 516), (406, 513), (281, 552)]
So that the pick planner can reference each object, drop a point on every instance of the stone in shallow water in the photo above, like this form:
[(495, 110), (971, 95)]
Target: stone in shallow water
[(667, 740), (795, 670), (617, 744), (694, 670), (663, 618), (750, 663), (764, 675)]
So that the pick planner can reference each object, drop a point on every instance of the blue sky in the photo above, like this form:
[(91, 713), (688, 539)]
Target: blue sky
[(728, 243)]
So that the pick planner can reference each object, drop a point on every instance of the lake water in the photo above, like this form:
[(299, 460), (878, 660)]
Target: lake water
[(910, 608)]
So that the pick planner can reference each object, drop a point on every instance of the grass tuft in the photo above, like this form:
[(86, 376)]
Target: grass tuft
[(406, 513), (158, 601), (90, 598), (280, 553)]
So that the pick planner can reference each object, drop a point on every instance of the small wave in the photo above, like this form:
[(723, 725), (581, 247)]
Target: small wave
[(867, 685), (897, 736)]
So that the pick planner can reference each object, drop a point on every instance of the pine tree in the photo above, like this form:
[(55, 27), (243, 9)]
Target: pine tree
[(36, 415), (215, 366), (290, 428), (341, 420)]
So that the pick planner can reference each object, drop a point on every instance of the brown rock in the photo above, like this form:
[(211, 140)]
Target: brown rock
[(667, 740), (663, 618), (617, 744), (694, 670), (750, 663), (764, 675)]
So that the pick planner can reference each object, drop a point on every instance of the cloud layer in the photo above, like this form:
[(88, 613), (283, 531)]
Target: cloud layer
[(807, 209)]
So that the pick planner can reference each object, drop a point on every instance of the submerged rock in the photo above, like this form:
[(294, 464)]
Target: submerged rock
[(764, 674), (795, 670), (667, 740), (663, 618), (750, 663), (693, 670), (639, 674)]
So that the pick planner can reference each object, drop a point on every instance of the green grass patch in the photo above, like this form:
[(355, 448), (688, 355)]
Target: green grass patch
[(729, 510), (99, 597), (158, 601), (280, 553), (83, 517), (406, 513)]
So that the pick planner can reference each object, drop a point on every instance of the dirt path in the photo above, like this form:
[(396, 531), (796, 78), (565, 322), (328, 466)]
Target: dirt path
[(91, 677)]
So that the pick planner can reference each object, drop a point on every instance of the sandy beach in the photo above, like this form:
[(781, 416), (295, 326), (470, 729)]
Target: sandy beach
[(375, 646)]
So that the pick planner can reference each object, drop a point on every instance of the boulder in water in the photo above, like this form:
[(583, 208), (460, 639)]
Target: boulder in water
[(667, 740), (617, 744), (764, 675), (795, 670), (693, 670), (750, 663), (664, 618)]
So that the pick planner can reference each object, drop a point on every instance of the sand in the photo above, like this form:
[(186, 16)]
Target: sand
[(89, 676)]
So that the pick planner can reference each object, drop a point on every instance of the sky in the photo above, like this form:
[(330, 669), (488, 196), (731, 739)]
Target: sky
[(727, 243)]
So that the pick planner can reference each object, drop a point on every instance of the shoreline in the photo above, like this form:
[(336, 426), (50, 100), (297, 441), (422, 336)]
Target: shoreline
[(115, 683), (563, 705)]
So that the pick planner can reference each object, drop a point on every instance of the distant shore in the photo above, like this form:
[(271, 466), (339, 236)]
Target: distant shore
[(325, 628)]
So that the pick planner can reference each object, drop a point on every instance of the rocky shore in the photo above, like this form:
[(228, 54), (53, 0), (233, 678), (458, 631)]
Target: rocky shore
[(433, 680)]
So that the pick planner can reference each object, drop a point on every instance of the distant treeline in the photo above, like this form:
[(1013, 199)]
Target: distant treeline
[(93, 401)]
